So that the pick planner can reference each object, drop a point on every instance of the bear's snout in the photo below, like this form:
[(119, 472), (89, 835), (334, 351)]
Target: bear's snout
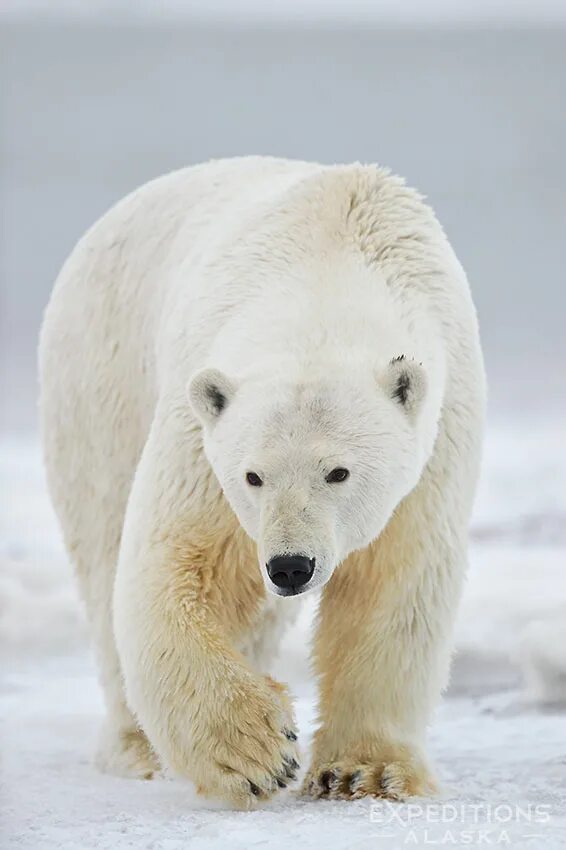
[(290, 572)]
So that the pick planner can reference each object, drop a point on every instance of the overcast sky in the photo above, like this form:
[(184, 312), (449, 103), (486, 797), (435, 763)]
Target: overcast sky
[(433, 12)]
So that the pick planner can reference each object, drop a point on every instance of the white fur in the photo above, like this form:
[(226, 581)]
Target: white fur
[(294, 432), (291, 289)]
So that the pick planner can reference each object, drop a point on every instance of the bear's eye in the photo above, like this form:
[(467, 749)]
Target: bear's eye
[(253, 479), (337, 475)]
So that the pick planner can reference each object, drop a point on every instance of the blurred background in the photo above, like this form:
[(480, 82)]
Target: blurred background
[(464, 98)]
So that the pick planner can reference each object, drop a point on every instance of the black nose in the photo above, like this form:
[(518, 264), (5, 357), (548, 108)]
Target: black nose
[(290, 571)]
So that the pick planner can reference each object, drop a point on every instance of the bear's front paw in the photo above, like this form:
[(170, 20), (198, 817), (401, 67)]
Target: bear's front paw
[(394, 777), (250, 750)]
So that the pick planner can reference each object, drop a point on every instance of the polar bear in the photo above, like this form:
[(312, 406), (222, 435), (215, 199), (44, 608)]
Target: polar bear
[(262, 377)]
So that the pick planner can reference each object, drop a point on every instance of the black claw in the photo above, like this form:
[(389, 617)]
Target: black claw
[(254, 789), (289, 734), (335, 779), (354, 779), (280, 782), (290, 767), (325, 780), (388, 788)]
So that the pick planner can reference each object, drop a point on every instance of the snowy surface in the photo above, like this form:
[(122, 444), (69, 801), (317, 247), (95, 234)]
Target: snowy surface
[(498, 738)]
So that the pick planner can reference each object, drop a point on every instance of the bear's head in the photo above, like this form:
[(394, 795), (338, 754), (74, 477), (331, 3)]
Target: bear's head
[(313, 469)]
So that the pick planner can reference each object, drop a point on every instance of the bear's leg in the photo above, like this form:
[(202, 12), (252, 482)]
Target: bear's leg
[(123, 749), (383, 646), (91, 520), (261, 644), (187, 586)]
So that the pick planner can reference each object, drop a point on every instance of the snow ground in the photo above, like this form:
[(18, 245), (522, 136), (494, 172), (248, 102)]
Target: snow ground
[(498, 738)]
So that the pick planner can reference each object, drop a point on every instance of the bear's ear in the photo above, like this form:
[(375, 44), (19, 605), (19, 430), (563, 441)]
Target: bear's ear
[(404, 381), (210, 393)]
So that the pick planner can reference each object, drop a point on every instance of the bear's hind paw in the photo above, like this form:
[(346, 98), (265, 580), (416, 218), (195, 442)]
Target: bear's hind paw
[(126, 753)]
